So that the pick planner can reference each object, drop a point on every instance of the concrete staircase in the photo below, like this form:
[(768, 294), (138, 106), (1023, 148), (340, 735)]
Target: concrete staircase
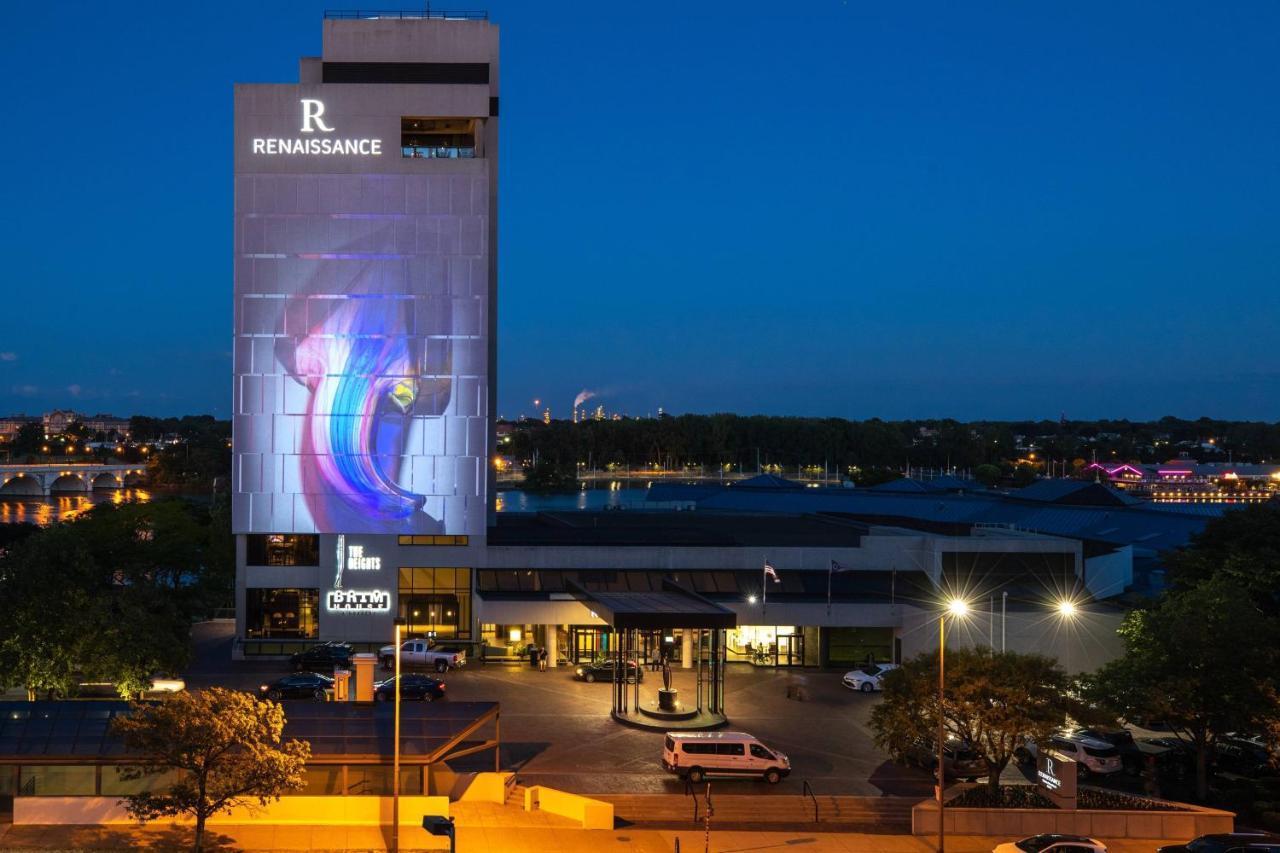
[(765, 811)]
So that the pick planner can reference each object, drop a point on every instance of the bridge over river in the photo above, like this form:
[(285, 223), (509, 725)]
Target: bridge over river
[(18, 481)]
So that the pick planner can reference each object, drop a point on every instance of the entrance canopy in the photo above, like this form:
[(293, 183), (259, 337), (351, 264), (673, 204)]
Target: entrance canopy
[(673, 607)]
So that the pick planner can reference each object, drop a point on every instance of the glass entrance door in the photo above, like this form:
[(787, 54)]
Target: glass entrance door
[(586, 644), (790, 650)]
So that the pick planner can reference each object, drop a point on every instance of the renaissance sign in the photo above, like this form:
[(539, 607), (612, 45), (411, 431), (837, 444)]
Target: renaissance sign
[(1056, 778), (312, 121)]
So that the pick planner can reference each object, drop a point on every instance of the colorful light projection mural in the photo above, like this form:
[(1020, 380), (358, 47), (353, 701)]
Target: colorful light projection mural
[(361, 354)]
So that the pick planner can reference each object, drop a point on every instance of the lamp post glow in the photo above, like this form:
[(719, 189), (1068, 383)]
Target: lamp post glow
[(1067, 608), (395, 750), (956, 608)]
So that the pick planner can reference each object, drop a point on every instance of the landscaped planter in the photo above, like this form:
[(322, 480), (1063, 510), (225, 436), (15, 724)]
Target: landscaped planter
[(1179, 820)]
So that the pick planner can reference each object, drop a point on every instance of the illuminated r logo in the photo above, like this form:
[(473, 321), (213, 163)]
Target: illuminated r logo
[(311, 112)]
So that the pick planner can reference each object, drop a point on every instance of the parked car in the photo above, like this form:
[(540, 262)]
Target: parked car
[(867, 678), (413, 686), (300, 685), (1132, 758), (602, 670), (423, 653), (1174, 756), (958, 759), (1053, 843), (1228, 842), (1096, 757), (697, 755), (325, 656), (1243, 757)]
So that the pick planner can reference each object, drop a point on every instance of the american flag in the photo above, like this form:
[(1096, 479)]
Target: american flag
[(771, 572)]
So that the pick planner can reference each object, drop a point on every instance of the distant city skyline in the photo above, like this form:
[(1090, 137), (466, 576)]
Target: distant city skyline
[(843, 211)]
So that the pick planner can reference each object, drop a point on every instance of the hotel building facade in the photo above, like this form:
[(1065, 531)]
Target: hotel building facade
[(364, 391)]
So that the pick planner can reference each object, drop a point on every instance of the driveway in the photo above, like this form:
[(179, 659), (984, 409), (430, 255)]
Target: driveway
[(557, 730)]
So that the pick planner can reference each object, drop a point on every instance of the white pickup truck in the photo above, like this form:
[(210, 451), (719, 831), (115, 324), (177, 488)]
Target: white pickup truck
[(422, 653)]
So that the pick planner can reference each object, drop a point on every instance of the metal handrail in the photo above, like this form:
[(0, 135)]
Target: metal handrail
[(688, 790), (808, 789), (427, 14)]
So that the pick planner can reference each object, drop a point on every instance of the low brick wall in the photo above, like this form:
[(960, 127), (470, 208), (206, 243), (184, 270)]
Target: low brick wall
[(1189, 823)]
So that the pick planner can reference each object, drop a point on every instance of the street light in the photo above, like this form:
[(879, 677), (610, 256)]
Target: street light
[(437, 825), (1067, 608), (400, 622), (957, 608)]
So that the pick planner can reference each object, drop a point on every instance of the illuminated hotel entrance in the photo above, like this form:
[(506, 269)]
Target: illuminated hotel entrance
[(767, 645)]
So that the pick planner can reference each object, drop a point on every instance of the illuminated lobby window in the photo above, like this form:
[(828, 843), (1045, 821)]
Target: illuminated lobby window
[(281, 613), (436, 601), (282, 549), (437, 138), (434, 540)]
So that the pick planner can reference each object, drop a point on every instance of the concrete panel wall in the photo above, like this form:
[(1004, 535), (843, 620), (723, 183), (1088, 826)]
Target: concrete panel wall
[(333, 811), (1190, 822)]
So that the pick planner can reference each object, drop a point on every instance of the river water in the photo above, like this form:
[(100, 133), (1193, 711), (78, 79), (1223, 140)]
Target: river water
[(48, 510)]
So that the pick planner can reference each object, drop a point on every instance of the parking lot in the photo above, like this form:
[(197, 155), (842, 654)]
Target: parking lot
[(557, 730)]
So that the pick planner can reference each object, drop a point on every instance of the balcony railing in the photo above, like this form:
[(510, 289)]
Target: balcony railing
[(429, 14), (437, 153)]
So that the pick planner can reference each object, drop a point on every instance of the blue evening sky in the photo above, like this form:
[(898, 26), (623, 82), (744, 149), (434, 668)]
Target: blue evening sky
[(822, 208)]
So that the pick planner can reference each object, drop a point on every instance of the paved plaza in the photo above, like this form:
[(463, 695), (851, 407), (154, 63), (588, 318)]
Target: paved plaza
[(557, 731)]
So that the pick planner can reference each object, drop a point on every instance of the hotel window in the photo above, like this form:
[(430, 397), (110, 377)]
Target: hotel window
[(282, 549), (58, 780), (422, 137), (282, 613), (436, 601), (434, 540)]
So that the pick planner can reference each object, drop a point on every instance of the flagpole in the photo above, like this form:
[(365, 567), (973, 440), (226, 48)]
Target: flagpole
[(831, 568), (764, 589)]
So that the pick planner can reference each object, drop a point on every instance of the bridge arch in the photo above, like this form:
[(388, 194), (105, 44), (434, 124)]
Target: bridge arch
[(132, 477), (20, 485), (107, 480), (68, 482)]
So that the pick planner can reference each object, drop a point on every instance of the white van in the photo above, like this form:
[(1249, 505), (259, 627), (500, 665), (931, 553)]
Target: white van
[(697, 755)]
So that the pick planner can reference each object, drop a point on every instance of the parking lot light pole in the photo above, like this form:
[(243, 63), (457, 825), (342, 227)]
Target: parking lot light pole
[(956, 607), (400, 622)]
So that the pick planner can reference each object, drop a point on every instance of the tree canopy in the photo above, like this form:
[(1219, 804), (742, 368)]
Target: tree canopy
[(110, 596), (1202, 659), (1242, 545), (993, 702), (222, 748)]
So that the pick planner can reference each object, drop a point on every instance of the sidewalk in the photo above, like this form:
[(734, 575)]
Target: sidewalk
[(492, 839)]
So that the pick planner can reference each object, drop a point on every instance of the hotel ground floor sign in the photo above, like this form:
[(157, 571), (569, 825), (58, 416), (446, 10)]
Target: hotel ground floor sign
[(358, 601), (1056, 778)]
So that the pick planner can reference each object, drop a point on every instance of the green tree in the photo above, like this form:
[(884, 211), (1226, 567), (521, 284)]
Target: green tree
[(987, 474), (548, 475), (1203, 659), (224, 747), (44, 581), (1244, 546), (109, 596), (1024, 475), (29, 439), (993, 702)]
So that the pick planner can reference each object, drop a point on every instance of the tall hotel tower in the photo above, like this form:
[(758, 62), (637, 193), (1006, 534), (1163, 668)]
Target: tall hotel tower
[(365, 293)]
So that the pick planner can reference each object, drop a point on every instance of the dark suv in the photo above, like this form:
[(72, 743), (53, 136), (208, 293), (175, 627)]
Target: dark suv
[(322, 658), (1228, 842), (1132, 758), (959, 760)]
